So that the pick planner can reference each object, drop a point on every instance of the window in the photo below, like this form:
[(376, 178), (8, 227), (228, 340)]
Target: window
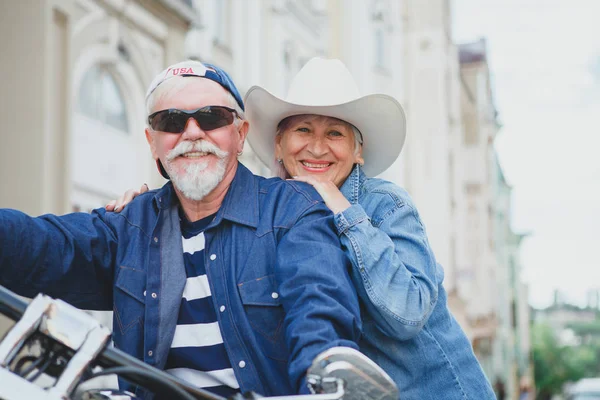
[(288, 63), (223, 22), (379, 47), (471, 128), (513, 312), (379, 16), (101, 99)]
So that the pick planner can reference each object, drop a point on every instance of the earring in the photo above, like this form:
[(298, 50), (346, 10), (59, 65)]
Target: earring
[(280, 161)]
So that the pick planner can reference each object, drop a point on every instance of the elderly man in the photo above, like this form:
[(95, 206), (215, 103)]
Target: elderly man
[(223, 278)]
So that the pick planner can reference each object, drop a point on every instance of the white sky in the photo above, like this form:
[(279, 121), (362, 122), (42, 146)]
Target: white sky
[(545, 62)]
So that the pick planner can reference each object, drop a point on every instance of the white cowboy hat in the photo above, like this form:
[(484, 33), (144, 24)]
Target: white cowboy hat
[(326, 87)]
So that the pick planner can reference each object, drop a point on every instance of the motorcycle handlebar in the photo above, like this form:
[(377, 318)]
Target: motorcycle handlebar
[(90, 350), (14, 307)]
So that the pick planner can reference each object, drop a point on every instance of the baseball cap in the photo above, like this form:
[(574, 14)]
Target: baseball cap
[(196, 68)]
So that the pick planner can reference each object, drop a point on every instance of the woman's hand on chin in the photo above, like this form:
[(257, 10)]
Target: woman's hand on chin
[(334, 199)]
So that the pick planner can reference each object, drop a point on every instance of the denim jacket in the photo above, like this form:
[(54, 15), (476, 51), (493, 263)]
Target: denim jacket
[(277, 274), (407, 327)]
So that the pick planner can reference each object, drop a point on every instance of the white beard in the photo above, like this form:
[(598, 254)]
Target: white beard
[(195, 183)]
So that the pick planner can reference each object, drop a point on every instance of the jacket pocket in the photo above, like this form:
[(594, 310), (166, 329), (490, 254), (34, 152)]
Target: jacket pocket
[(265, 314), (129, 304)]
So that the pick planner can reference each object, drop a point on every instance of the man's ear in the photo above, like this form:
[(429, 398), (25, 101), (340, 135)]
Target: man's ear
[(152, 143), (243, 132)]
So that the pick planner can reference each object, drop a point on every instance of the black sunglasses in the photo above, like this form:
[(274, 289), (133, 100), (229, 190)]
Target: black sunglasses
[(208, 118)]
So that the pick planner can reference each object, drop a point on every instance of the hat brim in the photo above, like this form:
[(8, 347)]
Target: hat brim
[(379, 118)]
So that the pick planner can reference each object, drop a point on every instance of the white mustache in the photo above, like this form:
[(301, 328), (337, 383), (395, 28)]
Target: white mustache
[(197, 146)]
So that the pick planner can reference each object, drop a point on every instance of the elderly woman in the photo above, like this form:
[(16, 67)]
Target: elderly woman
[(324, 133)]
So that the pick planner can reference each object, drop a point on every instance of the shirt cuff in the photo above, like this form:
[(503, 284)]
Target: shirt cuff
[(351, 216)]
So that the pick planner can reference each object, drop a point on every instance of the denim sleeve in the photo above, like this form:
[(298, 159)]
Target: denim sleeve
[(394, 264), (68, 257), (316, 291)]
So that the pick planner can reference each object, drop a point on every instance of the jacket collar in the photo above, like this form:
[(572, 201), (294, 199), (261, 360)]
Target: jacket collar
[(240, 204), (165, 196), (241, 201), (351, 186)]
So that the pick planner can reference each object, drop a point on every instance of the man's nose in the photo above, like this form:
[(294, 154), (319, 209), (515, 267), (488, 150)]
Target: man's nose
[(192, 130)]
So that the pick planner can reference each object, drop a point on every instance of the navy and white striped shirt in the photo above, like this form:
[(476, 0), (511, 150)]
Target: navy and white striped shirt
[(197, 353)]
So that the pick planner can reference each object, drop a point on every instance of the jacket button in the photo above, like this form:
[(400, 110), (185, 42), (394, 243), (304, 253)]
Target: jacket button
[(154, 295), (150, 353), (274, 295), (213, 257), (144, 293), (155, 239), (222, 308), (242, 364)]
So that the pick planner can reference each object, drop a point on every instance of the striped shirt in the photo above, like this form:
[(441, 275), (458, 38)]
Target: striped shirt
[(197, 353)]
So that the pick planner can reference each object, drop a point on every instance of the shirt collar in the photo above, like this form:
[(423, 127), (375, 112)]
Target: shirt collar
[(351, 186), (239, 205)]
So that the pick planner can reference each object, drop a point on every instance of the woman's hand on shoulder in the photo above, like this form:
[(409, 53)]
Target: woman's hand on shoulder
[(120, 203), (334, 199)]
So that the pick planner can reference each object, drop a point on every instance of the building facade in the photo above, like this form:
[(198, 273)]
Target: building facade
[(489, 260), (512, 347), (476, 259), (82, 93)]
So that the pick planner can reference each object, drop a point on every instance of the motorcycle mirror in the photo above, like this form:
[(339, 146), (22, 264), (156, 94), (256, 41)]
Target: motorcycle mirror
[(363, 379)]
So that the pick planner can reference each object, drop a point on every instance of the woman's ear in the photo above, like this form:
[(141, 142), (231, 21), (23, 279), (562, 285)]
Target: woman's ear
[(278, 150), (358, 158)]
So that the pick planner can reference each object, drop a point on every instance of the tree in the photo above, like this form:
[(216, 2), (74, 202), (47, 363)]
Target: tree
[(556, 364)]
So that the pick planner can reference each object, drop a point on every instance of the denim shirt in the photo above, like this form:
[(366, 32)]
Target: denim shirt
[(407, 327), (277, 274)]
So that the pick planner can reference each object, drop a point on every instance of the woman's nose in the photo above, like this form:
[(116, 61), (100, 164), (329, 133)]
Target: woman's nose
[(317, 146)]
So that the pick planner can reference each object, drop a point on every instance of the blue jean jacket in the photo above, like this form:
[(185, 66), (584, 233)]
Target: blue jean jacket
[(277, 274), (407, 327)]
